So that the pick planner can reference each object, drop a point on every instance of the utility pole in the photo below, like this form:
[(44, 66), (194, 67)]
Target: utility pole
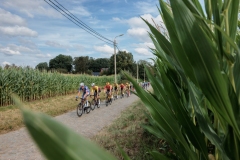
[(137, 72), (115, 66)]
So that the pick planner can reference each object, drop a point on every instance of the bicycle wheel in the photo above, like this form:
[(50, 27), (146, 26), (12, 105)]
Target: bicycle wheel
[(98, 103), (106, 101), (88, 108), (93, 103), (79, 110), (110, 101)]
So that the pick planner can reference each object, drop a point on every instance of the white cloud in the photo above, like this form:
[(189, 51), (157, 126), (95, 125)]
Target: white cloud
[(82, 11), (57, 45), (147, 7), (13, 49), (139, 33), (8, 18), (9, 52), (104, 49), (18, 31), (31, 8), (6, 63), (43, 55), (143, 51)]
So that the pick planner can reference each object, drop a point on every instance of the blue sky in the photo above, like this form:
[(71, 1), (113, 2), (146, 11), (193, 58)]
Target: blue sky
[(31, 31)]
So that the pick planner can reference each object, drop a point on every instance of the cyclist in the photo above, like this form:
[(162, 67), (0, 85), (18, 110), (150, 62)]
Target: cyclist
[(95, 89), (122, 87), (108, 88), (128, 88), (85, 91), (115, 87)]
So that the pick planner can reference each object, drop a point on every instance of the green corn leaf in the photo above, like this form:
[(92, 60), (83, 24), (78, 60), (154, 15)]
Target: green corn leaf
[(204, 124), (157, 155), (194, 135), (178, 49), (57, 141), (197, 46)]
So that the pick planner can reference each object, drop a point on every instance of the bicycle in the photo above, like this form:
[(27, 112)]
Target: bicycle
[(115, 96), (108, 99), (127, 92), (82, 106), (122, 94), (95, 102)]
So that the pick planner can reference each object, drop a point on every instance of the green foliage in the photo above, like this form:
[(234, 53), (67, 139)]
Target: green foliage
[(197, 73), (61, 62), (42, 66), (124, 62), (97, 64), (30, 84), (196, 87)]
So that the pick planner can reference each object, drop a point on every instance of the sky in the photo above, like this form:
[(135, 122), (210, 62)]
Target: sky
[(31, 31)]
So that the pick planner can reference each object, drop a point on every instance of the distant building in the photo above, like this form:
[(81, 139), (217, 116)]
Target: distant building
[(104, 69), (95, 73)]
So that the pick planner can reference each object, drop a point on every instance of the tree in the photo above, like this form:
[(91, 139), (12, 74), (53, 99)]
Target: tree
[(97, 64), (42, 66), (61, 62), (124, 62), (81, 64)]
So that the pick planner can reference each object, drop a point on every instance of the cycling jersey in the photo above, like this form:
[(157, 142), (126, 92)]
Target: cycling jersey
[(85, 90), (121, 86), (94, 88), (107, 87), (115, 86)]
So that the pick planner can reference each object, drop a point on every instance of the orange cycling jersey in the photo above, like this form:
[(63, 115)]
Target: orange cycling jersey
[(108, 87)]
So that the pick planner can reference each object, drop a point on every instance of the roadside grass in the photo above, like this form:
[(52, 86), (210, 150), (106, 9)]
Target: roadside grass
[(126, 132), (11, 118)]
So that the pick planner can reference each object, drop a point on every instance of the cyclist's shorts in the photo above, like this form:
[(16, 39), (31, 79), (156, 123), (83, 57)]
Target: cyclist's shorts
[(108, 90), (115, 88), (86, 96), (95, 93)]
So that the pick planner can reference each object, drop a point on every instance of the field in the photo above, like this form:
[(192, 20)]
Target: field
[(30, 84)]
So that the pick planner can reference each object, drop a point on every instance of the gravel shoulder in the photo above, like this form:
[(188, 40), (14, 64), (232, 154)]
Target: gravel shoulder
[(17, 145)]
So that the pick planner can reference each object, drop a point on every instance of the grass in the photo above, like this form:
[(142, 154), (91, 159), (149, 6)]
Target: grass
[(11, 118), (127, 133)]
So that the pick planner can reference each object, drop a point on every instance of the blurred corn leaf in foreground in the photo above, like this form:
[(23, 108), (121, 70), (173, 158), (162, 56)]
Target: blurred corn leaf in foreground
[(195, 103), (57, 141)]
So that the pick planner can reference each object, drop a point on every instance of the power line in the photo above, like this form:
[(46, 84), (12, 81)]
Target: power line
[(78, 20), (77, 23)]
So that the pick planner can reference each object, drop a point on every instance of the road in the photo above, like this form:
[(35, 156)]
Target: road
[(17, 145)]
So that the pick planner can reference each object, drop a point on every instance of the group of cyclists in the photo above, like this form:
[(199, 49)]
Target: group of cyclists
[(109, 89)]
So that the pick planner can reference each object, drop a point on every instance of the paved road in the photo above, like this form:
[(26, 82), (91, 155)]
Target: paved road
[(17, 145)]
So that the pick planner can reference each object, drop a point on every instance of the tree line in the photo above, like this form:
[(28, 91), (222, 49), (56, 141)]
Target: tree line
[(88, 65)]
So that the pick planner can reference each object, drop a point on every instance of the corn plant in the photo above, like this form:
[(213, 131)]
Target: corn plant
[(196, 88), (31, 84)]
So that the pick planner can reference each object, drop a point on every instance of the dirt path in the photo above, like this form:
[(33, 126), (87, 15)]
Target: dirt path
[(17, 145)]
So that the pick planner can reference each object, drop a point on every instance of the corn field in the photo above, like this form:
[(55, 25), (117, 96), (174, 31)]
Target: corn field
[(30, 84)]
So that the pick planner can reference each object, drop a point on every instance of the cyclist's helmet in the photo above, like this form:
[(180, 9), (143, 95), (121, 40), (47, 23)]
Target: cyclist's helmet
[(81, 84), (107, 83), (93, 84), (127, 83)]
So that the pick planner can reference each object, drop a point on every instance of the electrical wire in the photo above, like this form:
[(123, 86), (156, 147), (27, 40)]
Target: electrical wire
[(82, 23), (79, 25)]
